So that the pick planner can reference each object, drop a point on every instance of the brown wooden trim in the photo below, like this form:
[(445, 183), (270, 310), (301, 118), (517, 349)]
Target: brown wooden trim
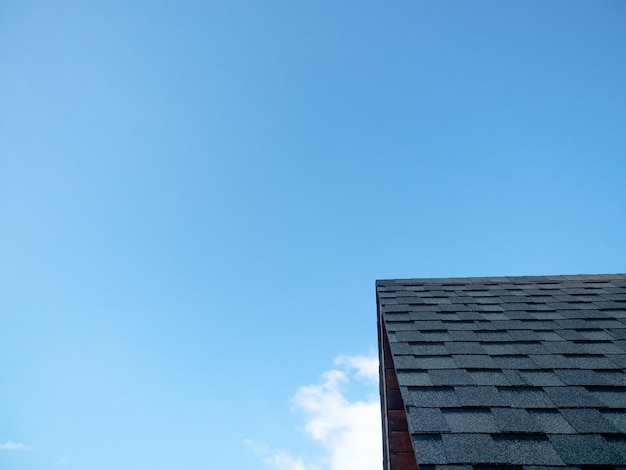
[(398, 451)]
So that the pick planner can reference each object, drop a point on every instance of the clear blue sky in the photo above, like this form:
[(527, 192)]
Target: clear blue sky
[(196, 199)]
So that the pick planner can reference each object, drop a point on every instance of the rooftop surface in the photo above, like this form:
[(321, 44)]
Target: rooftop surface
[(518, 372)]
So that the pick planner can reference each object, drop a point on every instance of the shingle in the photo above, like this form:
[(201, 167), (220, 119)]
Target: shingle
[(517, 306), (481, 396), (489, 377), (581, 304), (548, 315), (548, 336), (608, 305), (613, 397), (500, 348), (435, 362), (456, 305), (427, 348), (480, 293), (565, 347), (475, 448), (493, 336), (399, 325), (414, 299), (585, 449), (426, 316), (588, 420), (470, 315), (515, 420), (436, 301), (513, 296), (470, 420), (550, 361), (426, 420), (428, 325), (475, 361), (612, 377), (403, 316), (524, 335), (462, 335), (572, 397), (578, 314), (402, 336), (596, 335), (615, 297), (435, 335), (605, 323), (464, 347), (617, 419), (570, 335), (551, 421), (526, 450), (582, 290), (540, 378), (617, 444), (618, 359), (405, 362), (590, 362), (514, 362), (488, 308), (402, 308), (529, 397), (538, 325), (559, 306), (429, 449), (580, 377), (574, 324), (407, 336), (603, 348), (494, 316), (452, 325), (451, 377), (401, 349), (514, 377), (531, 348), (413, 377), (540, 299), (484, 325), (433, 397), (519, 314)]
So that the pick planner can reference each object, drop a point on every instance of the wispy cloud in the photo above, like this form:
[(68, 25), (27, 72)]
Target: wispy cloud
[(278, 459), (349, 431), (10, 445), (365, 366)]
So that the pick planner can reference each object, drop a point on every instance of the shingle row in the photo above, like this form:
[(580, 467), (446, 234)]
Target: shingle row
[(507, 377), (514, 420), (527, 450)]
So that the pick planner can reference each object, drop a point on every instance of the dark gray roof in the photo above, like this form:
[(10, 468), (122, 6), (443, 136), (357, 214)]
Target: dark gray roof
[(518, 372)]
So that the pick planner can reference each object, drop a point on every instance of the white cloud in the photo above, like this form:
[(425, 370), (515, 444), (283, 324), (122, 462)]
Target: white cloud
[(280, 460), (349, 431), (366, 366), (10, 445)]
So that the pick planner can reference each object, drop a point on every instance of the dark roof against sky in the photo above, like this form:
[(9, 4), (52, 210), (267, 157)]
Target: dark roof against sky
[(526, 372)]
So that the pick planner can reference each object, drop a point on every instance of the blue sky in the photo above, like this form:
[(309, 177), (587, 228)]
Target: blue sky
[(196, 199)]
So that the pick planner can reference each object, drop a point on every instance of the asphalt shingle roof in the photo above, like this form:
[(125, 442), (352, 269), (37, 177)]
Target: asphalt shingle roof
[(511, 372)]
